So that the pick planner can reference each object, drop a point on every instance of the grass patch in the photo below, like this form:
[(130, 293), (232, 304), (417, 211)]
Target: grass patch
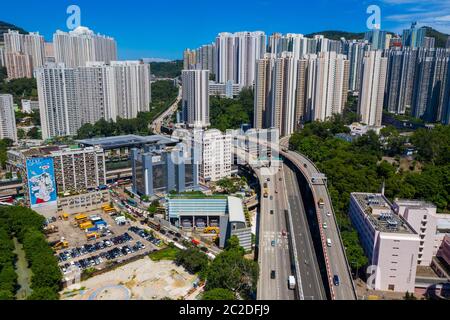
[(168, 253)]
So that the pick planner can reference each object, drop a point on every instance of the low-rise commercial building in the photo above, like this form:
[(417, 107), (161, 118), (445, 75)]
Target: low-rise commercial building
[(228, 89), (200, 212), (390, 243)]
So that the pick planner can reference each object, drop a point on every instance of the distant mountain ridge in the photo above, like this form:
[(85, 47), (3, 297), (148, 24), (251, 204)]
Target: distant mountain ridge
[(337, 34), (5, 26), (440, 37)]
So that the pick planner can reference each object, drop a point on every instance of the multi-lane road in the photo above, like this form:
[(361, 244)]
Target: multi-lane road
[(335, 256), (309, 271), (273, 244)]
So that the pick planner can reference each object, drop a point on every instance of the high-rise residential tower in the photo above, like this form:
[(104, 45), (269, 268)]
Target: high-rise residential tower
[(7, 118), (414, 37), (81, 45), (236, 55), (23, 53), (370, 105), (71, 97), (195, 102), (327, 85)]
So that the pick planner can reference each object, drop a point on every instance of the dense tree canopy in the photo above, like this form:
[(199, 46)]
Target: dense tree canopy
[(170, 69), (26, 225), (192, 259), (218, 294), (231, 271), (23, 88), (228, 113)]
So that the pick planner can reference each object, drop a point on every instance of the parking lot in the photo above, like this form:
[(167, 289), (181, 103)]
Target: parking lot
[(117, 248)]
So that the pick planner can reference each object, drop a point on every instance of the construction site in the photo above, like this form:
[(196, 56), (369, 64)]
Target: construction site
[(143, 279)]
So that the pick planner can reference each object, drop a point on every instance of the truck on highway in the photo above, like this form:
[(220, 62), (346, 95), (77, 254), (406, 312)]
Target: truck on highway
[(321, 203), (291, 282), (266, 193)]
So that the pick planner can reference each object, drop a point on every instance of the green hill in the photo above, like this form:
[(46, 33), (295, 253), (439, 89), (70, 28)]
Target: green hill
[(440, 38), (337, 35), (4, 26)]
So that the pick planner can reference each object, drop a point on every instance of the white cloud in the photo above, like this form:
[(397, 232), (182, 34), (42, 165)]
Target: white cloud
[(431, 13)]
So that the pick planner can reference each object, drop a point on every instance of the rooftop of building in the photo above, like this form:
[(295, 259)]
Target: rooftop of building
[(381, 213), (235, 210), (49, 150), (234, 205), (129, 140), (414, 203)]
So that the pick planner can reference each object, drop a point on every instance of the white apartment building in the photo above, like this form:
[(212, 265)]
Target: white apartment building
[(23, 53), (195, 100), (236, 54), (7, 118), (77, 47), (217, 158), (58, 108), (371, 93), (390, 243), (71, 97), (326, 85), (130, 90), (289, 91), (2, 57)]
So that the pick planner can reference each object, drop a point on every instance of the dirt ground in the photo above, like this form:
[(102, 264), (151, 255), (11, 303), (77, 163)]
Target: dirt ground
[(140, 280)]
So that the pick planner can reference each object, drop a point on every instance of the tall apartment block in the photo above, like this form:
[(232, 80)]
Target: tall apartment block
[(236, 54), (217, 158), (327, 85), (289, 91), (71, 97), (195, 102), (23, 53), (414, 37), (355, 56), (389, 242), (401, 71), (2, 56), (77, 47), (7, 118), (378, 39), (202, 58), (431, 87), (370, 104), (189, 59), (262, 91)]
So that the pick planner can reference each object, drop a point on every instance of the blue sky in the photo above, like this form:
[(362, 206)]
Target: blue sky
[(162, 29)]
